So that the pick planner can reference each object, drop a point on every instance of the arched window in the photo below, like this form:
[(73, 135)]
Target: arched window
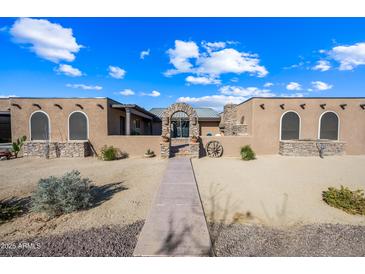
[(290, 126), (328, 126), (78, 126), (39, 126)]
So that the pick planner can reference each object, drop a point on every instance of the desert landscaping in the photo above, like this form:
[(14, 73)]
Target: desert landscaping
[(273, 206), (270, 206), (126, 189)]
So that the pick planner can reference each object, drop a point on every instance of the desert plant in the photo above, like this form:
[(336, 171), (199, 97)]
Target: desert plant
[(9, 209), (150, 152), (109, 153), (65, 194), (247, 153), (352, 202), (194, 139), (17, 145)]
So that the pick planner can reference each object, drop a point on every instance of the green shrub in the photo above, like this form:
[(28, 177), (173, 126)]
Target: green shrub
[(65, 194), (110, 153), (247, 153), (17, 146), (9, 210), (352, 202)]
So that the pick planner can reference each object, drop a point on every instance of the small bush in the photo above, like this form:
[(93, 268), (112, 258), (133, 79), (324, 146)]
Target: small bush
[(110, 153), (352, 202), (65, 194), (247, 153), (9, 210)]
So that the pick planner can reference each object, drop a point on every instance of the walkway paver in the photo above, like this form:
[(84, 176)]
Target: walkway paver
[(176, 224)]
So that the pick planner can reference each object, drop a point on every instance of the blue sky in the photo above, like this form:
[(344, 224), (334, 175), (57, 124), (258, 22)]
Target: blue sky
[(154, 62)]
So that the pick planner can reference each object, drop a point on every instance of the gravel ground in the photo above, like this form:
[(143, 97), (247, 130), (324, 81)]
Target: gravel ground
[(308, 240), (124, 190), (116, 241)]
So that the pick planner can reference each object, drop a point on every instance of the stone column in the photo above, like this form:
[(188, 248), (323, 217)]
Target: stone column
[(127, 121)]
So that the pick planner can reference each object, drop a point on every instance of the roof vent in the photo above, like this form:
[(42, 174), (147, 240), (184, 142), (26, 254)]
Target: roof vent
[(262, 106), (282, 106), (100, 106), (302, 106), (58, 105), (37, 106), (80, 106), (323, 106), (343, 106), (16, 105)]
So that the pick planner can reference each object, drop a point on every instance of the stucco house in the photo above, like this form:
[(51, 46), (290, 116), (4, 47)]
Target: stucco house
[(74, 127)]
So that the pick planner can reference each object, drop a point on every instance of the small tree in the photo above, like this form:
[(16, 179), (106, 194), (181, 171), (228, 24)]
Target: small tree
[(17, 146)]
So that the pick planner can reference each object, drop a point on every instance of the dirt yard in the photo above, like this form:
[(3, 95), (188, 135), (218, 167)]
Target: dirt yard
[(277, 190), (128, 187)]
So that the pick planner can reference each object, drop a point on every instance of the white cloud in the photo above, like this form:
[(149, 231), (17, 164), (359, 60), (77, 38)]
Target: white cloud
[(349, 57), (180, 55), (116, 72), (322, 65), (245, 92), (267, 85), (186, 58), (8, 96), (4, 28), (214, 101), (230, 61), (69, 70), (84, 87), (127, 92), (202, 80), (209, 46), (144, 53), (318, 85), (154, 93), (47, 40), (293, 86), (228, 94)]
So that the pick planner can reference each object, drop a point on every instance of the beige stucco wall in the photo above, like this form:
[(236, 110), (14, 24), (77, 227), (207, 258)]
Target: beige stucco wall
[(266, 122), (232, 144), (246, 111), (97, 117), (4, 104), (135, 146)]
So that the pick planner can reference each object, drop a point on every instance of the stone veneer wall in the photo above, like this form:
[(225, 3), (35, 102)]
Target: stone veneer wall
[(230, 124), (165, 150), (311, 147), (194, 150), (56, 149)]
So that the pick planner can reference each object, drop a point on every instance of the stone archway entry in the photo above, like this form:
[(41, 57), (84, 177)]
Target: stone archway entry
[(193, 129)]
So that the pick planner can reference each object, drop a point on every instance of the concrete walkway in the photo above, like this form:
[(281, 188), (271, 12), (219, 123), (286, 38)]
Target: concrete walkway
[(176, 224)]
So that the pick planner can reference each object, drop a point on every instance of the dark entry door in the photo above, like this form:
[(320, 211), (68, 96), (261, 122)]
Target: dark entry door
[(122, 126)]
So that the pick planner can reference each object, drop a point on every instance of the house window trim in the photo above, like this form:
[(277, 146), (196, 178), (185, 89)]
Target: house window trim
[(49, 127), (281, 123), (338, 125), (87, 125)]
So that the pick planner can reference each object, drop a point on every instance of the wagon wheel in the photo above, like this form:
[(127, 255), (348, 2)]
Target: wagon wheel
[(214, 149)]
